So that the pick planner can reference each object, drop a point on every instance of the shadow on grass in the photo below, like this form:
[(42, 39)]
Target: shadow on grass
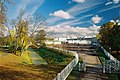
[(29, 72)]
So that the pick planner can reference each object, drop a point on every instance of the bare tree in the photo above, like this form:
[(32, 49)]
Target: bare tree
[(24, 31), (3, 10)]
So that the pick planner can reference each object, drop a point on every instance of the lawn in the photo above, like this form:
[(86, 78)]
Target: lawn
[(75, 74), (13, 67), (54, 56)]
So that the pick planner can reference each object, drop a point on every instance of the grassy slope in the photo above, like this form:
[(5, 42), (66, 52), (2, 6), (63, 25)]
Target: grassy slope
[(8, 58), (12, 68), (36, 59), (52, 58)]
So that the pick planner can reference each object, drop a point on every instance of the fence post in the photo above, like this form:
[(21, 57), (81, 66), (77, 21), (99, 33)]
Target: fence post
[(110, 69), (58, 76), (79, 66), (104, 68), (119, 65), (84, 66)]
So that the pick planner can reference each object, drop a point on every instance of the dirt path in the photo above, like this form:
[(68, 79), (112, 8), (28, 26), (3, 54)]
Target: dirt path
[(93, 70), (89, 55), (90, 59), (92, 67)]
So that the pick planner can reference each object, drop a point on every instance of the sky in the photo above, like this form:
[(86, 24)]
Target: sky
[(69, 17)]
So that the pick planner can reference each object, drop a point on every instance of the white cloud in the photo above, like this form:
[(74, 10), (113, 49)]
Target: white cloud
[(85, 7), (110, 8), (116, 1), (69, 2), (117, 21), (79, 1), (71, 30), (108, 3), (52, 20), (96, 19), (61, 14), (78, 9), (30, 7), (113, 1), (76, 21)]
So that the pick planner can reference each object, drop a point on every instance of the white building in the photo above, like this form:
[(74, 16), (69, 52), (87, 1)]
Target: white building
[(81, 40)]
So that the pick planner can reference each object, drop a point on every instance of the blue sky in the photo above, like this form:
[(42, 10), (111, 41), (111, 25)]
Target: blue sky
[(72, 13)]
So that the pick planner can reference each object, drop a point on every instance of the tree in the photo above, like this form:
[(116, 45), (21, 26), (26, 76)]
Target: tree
[(23, 32), (104, 32), (3, 10), (41, 37), (109, 36), (114, 38)]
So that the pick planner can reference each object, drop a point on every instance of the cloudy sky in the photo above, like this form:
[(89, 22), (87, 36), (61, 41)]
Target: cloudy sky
[(69, 17)]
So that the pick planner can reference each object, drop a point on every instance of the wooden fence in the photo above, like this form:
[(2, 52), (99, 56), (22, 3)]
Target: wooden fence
[(67, 70), (112, 65)]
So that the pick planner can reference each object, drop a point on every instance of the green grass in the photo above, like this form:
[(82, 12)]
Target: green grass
[(53, 56), (102, 56), (1, 52), (26, 58), (113, 76), (74, 75)]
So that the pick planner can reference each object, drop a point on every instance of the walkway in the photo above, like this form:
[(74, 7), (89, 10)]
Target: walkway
[(89, 55), (92, 66), (36, 59)]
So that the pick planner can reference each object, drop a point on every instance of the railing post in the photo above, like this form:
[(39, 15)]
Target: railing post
[(104, 68), (79, 66), (58, 76), (110, 69), (84, 66), (119, 65)]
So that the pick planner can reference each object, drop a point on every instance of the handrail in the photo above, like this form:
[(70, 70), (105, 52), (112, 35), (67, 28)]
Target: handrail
[(109, 67), (108, 54)]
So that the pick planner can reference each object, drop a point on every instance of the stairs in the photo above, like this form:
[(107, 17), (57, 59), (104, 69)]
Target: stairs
[(89, 56)]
